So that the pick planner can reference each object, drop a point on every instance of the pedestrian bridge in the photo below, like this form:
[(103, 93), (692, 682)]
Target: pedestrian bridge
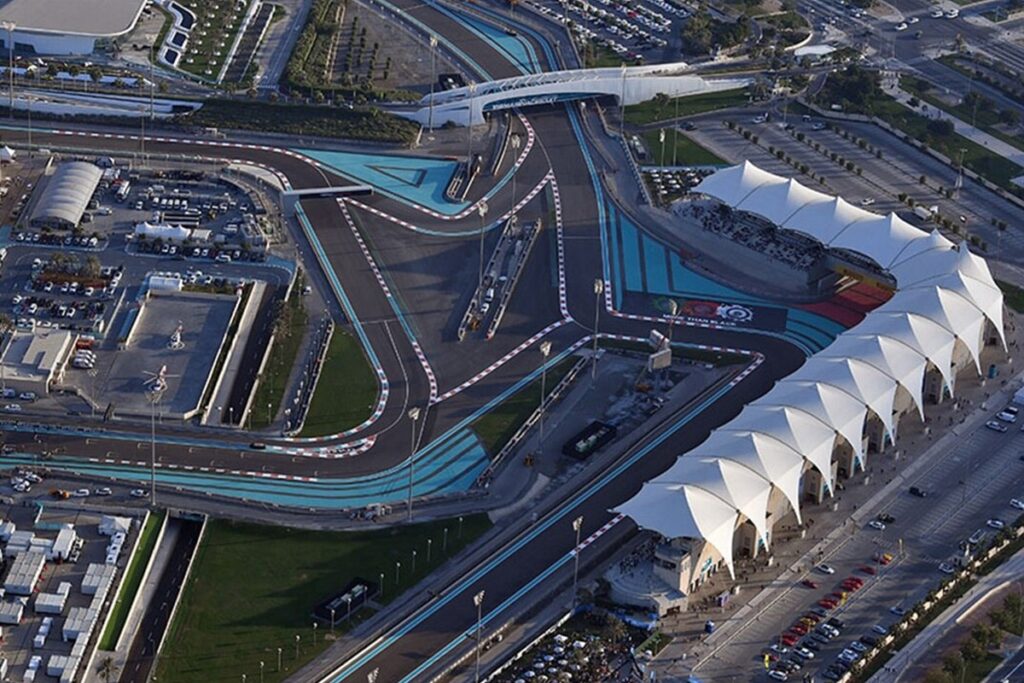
[(628, 84), (291, 197)]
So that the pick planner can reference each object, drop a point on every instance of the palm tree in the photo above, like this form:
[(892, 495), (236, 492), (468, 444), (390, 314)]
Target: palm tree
[(107, 668)]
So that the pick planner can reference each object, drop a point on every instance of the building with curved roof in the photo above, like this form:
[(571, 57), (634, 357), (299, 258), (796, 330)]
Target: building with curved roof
[(725, 495), (67, 195), (67, 27)]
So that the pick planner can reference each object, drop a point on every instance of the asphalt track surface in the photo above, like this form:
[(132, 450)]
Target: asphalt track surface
[(540, 553), (147, 638)]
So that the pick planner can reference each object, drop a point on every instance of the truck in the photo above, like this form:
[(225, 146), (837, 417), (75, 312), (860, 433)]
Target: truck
[(588, 441), (925, 213)]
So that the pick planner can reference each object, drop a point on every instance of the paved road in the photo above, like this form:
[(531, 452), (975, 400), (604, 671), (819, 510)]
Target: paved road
[(150, 633)]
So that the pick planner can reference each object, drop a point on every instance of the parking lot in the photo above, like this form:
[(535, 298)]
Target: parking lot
[(637, 31), (875, 571)]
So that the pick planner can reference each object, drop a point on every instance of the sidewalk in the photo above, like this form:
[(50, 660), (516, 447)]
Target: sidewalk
[(161, 557), (975, 135)]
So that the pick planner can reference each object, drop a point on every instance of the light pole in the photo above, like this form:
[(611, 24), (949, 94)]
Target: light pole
[(673, 309), (261, 670), (471, 89), (598, 291), (332, 613), (279, 659), (577, 524), (414, 561), (516, 141), (414, 415), (152, 451), (481, 209), (9, 26), (478, 600), (348, 614), (675, 134), (314, 633), (429, 543), (298, 639), (622, 105), (545, 351), (433, 79)]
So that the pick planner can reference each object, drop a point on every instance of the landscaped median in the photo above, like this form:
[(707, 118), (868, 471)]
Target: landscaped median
[(252, 590), (663, 108), (346, 390), (975, 667), (132, 580)]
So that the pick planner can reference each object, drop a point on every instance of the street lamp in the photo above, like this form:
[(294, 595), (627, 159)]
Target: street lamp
[(315, 624), (9, 26), (577, 524), (673, 309), (414, 415), (261, 670), (433, 79), (516, 142), (298, 639), (279, 659), (622, 105), (332, 613), (545, 350), (598, 291), (481, 209), (478, 600)]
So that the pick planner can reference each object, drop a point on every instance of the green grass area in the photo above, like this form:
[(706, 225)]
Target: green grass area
[(131, 581), (221, 21), (655, 643), (1013, 296), (278, 369), (688, 152), (346, 391), (857, 90), (984, 116), (789, 28), (599, 56), (335, 122), (253, 588), (497, 426), (664, 108)]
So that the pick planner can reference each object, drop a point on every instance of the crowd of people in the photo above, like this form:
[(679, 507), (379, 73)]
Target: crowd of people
[(756, 234)]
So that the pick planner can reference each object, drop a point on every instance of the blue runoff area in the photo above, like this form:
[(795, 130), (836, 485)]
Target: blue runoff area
[(449, 465), (518, 51), (420, 180), (641, 263)]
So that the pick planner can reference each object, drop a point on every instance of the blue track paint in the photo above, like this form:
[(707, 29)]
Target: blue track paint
[(562, 513), (516, 50), (405, 178), (631, 264), (656, 259)]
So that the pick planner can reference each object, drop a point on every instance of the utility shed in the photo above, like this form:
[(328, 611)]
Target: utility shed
[(80, 621), (53, 603), (64, 543), (24, 573), (111, 525), (10, 613), (97, 578)]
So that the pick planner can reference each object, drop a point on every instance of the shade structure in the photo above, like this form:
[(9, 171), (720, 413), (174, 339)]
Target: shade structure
[(945, 296), (898, 361), (684, 511)]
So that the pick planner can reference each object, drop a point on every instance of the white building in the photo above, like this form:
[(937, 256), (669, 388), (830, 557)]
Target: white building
[(723, 498), (67, 27)]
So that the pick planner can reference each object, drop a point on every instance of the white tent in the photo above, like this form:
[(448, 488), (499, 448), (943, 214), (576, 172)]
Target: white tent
[(946, 296), (7, 155)]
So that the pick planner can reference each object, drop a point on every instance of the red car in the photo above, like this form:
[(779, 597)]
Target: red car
[(799, 629), (809, 583), (827, 603), (789, 640), (868, 569), (813, 618), (854, 579)]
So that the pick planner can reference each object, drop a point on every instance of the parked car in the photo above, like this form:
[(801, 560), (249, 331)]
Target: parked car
[(996, 426), (138, 493)]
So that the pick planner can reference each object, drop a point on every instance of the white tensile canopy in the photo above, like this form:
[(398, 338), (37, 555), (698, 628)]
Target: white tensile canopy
[(945, 296)]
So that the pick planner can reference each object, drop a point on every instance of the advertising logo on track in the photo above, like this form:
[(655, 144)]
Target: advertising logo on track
[(739, 315)]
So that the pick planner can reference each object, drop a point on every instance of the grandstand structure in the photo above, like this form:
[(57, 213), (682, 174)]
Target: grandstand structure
[(722, 499)]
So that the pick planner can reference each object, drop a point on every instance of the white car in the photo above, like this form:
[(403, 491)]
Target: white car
[(867, 201), (825, 569), (902, 26), (937, 13), (995, 426), (952, 13), (1017, 504), (996, 524), (804, 653), (1006, 417), (875, 524), (945, 568), (777, 675), (82, 493), (913, 20), (880, 630), (137, 493), (102, 491)]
